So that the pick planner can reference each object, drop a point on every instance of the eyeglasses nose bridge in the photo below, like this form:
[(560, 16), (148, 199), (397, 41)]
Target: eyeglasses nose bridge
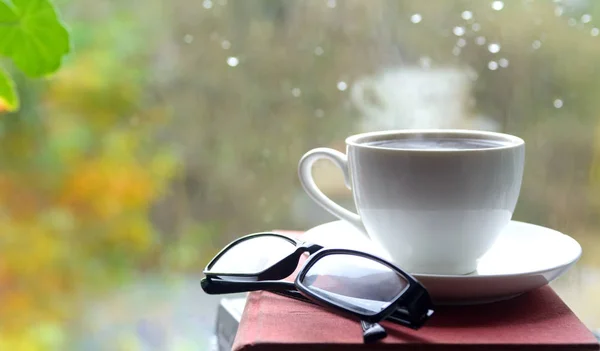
[(287, 265), (309, 247)]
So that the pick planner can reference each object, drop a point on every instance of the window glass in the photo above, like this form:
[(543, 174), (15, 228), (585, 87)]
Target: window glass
[(176, 126)]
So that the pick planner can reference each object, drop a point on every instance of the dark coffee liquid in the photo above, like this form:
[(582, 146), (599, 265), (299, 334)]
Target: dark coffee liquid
[(438, 144)]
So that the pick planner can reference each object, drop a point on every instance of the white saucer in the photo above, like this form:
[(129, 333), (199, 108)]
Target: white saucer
[(524, 257)]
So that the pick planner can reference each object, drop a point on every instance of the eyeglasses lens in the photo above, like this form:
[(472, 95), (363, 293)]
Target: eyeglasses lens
[(253, 255), (354, 282)]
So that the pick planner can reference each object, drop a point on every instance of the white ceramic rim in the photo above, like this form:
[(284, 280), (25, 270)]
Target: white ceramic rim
[(556, 266), (563, 264), (358, 140)]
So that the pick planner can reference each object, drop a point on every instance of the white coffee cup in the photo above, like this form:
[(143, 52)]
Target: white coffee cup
[(435, 200)]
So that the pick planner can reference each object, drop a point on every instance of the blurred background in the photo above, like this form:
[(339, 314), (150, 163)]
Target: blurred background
[(176, 126)]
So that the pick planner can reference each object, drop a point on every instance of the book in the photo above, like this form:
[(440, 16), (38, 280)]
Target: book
[(537, 320), (229, 314)]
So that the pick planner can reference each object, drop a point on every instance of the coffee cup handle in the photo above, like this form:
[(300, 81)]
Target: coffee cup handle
[(309, 185)]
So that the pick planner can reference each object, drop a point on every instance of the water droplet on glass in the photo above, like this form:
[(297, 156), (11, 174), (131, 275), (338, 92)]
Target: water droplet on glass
[(467, 15), (425, 61), (262, 200), (493, 65), (461, 43), (476, 27), (497, 5), (455, 51), (232, 61), (331, 3), (558, 103), (341, 85), (472, 74), (595, 32), (319, 113), (225, 44), (188, 38), (586, 18), (268, 218), (416, 18), (558, 11), (207, 4), (572, 22), (480, 40), (458, 31), (503, 62), (266, 153), (296, 92), (536, 44), (319, 51), (494, 48)]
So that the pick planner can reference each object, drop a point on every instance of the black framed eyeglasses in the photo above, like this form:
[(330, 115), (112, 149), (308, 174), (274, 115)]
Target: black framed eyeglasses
[(348, 281)]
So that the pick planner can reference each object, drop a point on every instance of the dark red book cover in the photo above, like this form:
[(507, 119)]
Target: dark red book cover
[(537, 320)]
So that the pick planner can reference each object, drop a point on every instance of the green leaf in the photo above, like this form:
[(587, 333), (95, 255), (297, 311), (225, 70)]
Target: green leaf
[(33, 36), (9, 101)]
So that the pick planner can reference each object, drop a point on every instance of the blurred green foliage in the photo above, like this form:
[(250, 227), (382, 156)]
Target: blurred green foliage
[(34, 38)]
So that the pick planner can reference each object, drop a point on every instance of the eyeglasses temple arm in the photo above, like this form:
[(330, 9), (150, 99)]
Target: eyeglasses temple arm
[(217, 286), (416, 313), (372, 331)]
